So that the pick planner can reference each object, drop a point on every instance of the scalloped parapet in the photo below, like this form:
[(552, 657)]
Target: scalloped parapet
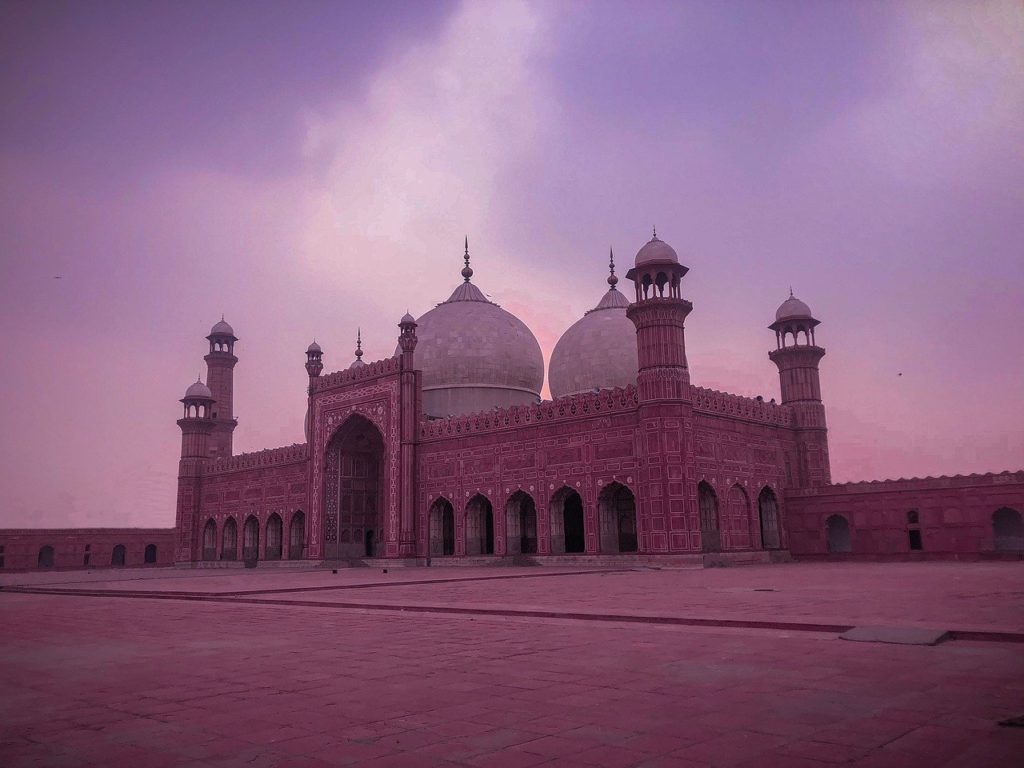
[(385, 367), (270, 457), (739, 407), (918, 483), (570, 407)]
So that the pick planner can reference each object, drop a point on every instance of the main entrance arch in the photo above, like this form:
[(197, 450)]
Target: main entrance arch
[(617, 507), (354, 493)]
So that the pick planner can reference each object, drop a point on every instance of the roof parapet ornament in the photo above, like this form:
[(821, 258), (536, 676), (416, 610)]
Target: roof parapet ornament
[(467, 271), (612, 279)]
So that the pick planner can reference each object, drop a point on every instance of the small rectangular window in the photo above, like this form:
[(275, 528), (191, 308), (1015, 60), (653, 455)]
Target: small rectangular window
[(87, 547), (915, 539), (85, 560)]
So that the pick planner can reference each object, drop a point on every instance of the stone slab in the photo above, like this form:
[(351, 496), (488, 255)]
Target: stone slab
[(896, 635)]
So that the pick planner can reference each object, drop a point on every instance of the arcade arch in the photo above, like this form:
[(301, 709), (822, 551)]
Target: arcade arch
[(707, 502), (251, 540), (567, 522), (837, 534), (520, 524), (768, 513), (1007, 530), (297, 536), (441, 525), (617, 511), (210, 540), (479, 526), (229, 540)]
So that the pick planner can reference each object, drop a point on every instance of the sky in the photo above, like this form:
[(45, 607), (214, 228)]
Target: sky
[(307, 168)]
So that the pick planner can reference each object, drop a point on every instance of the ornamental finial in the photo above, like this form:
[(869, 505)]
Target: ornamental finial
[(359, 343), (791, 291), (467, 271), (612, 279), (654, 232)]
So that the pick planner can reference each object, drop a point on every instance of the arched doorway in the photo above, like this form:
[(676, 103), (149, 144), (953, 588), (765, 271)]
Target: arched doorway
[(768, 511), (617, 509), (45, 559), (210, 540), (441, 522), (297, 536), (149, 557), (117, 557), (567, 527), (1007, 530), (520, 524), (479, 526), (274, 530), (354, 490), (251, 540), (707, 502), (229, 540), (837, 534)]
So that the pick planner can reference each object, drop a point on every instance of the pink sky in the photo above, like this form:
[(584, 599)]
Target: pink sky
[(309, 168)]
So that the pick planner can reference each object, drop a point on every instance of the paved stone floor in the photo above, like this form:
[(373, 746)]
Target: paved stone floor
[(307, 668)]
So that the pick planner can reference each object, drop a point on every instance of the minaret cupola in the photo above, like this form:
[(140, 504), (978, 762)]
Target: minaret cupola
[(314, 360)]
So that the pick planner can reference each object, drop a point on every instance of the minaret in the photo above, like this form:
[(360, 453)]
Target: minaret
[(411, 406), (220, 374), (797, 356), (659, 313), (314, 366), (196, 424)]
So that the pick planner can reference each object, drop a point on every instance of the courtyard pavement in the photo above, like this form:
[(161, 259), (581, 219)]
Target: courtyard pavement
[(512, 667)]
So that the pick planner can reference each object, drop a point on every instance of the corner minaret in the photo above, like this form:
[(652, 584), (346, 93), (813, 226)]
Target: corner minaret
[(196, 424), (411, 409), (220, 375), (797, 356), (314, 362), (659, 314)]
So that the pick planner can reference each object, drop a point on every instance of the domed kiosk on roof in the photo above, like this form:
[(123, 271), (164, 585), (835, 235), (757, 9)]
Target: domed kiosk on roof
[(599, 350), (474, 355)]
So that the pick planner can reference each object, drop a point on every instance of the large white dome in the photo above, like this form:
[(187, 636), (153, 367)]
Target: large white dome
[(597, 352), (475, 356)]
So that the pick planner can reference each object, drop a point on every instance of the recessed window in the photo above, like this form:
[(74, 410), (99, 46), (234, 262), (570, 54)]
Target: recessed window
[(912, 517), (915, 540)]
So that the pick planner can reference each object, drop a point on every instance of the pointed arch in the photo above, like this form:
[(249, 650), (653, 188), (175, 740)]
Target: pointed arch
[(707, 502), (297, 535), (229, 540), (568, 527), (617, 511), (441, 525), (738, 513), (45, 559), (118, 556), (251, 540), (837, 534), (479, 526), (520, 524), (149, 556), (768, 515), (1007, 530), (210, 540), (274, 536)]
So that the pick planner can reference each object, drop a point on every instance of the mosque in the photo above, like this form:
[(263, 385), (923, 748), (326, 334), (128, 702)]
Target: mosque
[(446, 453)]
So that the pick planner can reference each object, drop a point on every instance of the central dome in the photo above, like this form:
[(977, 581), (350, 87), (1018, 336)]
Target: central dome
[(475, 356)]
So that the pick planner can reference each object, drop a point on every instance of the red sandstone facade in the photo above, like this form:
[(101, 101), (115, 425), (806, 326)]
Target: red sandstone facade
[(660, 470)]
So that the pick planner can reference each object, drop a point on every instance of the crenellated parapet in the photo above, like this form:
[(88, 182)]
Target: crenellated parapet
[(740, 407), (270, 457), (575, 406), (385, 367), (914, 484)]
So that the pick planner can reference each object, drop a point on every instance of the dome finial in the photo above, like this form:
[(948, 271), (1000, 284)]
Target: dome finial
[(359, 343), (467, 272), (654, 231), (612, 279), (791, 291)]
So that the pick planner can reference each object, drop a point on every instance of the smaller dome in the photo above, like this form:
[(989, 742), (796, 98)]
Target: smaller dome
[(314, 347), (199, 391), (793, 309), (656, 251), (357, 363), (407, 318), (222, 329)]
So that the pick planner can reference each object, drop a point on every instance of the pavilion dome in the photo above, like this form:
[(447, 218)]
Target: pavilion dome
[(198, 391), (793, 309), (314, 348), (656, 250), (221, 328), (475, 356), (597, 352)]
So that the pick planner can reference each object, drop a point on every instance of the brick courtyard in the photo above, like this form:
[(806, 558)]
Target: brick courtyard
[(480, 667)]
